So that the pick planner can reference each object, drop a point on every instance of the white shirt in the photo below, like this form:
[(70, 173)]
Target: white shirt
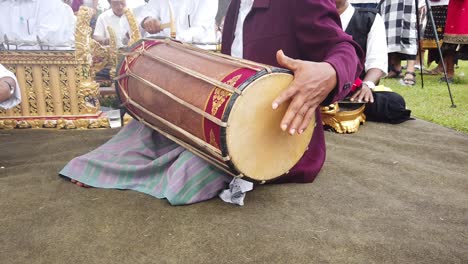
[(89, 3), (109, 19), (23, 21), (15, 99), (194, 19), (237, 48), (376, 54), (130, 3)]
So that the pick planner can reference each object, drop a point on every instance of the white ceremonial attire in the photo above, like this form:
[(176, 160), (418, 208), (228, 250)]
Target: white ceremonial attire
[(376, 54), (4, 19), (237, 44), (65, 36), (109, 19), (48, 20), (89, 3), (194, 19), (15, 99)]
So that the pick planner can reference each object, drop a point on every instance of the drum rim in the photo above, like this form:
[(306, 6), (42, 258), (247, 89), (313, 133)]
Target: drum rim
[(230, 105)]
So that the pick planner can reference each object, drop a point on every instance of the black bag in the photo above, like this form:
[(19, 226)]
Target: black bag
[(388, 107)]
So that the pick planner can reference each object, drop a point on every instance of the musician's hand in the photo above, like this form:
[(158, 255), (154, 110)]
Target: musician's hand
[(312, 83), (5, 92), (363, 95), (152, 25)]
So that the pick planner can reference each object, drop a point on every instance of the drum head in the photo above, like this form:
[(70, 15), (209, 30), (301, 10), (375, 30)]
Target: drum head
[(258, 147)]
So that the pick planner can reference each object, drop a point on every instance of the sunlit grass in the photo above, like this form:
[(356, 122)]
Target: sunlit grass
[(432, 103)]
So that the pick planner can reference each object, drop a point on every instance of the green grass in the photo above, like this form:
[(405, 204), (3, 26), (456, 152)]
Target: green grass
[(432, 103)]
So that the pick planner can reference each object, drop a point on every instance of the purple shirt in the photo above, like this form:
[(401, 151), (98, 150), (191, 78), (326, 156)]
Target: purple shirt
[(303, 29)]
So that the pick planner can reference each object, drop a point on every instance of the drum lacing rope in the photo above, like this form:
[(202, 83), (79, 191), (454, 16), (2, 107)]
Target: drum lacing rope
[(236, 61), (195, 151), (197, 110), (216, 152), (192, 73)]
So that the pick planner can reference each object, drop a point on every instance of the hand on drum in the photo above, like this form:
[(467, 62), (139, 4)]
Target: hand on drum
[(152, 25), (312, 83)]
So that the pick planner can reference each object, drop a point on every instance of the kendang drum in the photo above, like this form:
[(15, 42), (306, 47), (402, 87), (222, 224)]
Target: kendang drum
[(217, 106)]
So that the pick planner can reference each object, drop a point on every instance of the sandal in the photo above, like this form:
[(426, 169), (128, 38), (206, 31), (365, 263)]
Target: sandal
[(409, 81)]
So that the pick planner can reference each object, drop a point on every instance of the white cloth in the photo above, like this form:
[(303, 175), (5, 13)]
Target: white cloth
[(194, 19), (67, 30), (364, 1), (376, 54), (436, 3), (109, 19), (27, 20), (237, 48), (236, 192), (15, 99)]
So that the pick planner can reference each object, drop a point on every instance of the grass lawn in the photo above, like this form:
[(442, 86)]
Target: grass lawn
[(432, 103)]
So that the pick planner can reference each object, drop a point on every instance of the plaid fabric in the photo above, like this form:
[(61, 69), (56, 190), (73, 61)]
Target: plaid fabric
[(139, 159), (400, 23)]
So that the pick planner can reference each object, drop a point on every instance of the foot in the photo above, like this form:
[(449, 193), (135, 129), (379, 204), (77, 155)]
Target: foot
[(80, 183), (409, 79), (435, 71), (394, 74), (449, 79)]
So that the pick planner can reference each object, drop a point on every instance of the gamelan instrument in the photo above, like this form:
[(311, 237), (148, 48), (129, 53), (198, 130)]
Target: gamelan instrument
[(217, 106)]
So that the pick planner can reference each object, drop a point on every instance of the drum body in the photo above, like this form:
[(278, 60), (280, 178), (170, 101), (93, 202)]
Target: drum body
[(216, 106)]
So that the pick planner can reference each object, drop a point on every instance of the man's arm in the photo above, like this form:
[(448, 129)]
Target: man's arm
[(330, 63), (376, 64), (202, 21), (151, 21), (10, 94), (100, 34)]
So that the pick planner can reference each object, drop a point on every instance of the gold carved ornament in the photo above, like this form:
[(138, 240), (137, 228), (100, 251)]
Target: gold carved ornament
[(135, 33), (101, 56), (219, 97), (112, 52), (83, 35), (342, 121)]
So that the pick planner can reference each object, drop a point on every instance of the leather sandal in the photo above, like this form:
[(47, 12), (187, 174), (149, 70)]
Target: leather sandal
[(409, 81)]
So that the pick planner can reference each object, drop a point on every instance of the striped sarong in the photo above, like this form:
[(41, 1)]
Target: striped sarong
[(400, 24), (140, 159)]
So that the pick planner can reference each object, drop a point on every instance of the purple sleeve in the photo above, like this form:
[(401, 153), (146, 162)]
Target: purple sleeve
[(320, 38), (76, 5)]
